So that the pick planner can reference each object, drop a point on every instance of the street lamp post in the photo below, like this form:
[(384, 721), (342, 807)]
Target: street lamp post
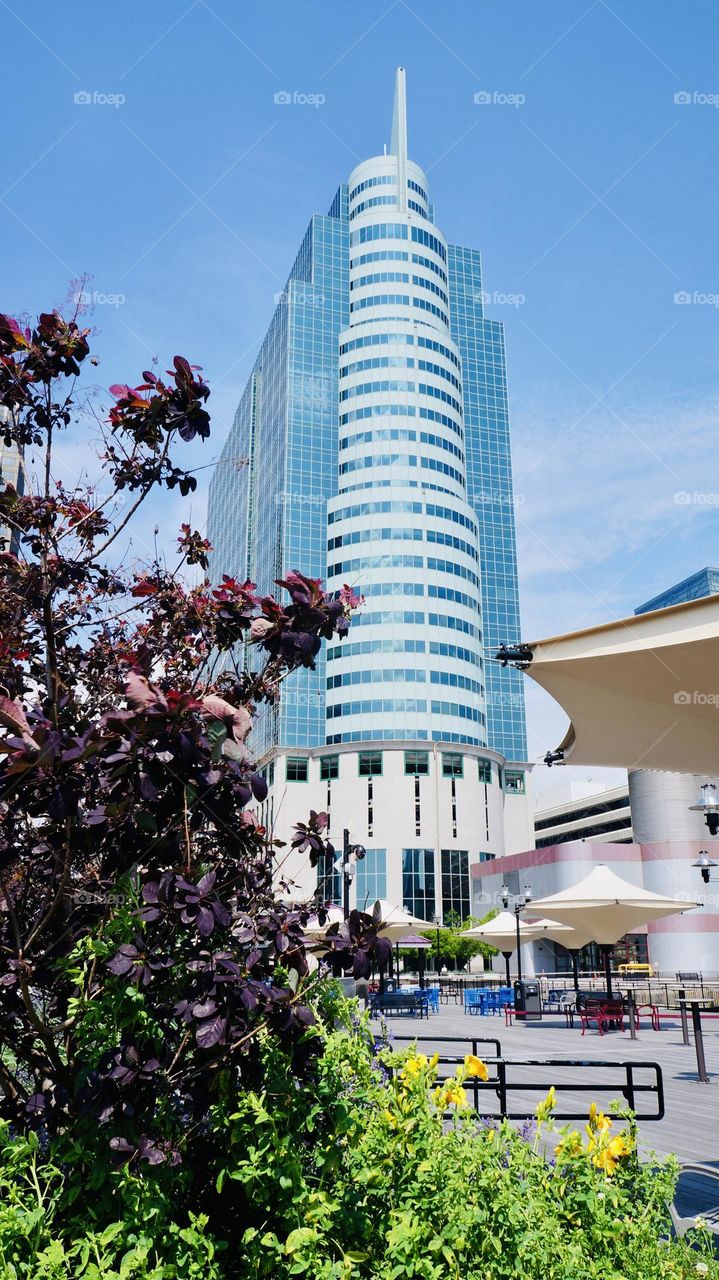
[(437, 919), (709, 806), (705, 864), (520, 902), (351, 854)]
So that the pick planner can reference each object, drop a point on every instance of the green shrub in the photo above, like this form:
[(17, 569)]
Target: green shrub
[(375, 1171)]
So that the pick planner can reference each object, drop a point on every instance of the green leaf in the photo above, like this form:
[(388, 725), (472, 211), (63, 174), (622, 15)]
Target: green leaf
[(299, 1237)]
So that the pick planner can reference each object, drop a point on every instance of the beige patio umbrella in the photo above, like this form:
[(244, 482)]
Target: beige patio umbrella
[(605, 907), (501, 932), (640, 692), (568, 937)]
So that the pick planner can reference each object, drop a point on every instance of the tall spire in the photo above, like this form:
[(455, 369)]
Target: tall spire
[(398, 144)]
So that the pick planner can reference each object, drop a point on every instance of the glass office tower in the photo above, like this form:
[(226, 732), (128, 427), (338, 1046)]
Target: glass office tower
[(371, 447), (269, 494), (703, 583)]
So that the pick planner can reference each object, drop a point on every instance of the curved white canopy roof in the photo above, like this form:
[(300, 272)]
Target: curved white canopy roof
[(605, 907), (642, 692)]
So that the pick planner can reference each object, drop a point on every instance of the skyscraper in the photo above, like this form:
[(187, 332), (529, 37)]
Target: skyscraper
[(703, 583), (371, 447)]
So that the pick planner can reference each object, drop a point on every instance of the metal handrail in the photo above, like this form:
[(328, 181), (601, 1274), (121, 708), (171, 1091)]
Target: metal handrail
[(499, 1083)]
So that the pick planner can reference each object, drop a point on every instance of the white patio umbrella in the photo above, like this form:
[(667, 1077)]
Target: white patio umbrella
[(605, 907), (501, 932), (396, 922), (316, 931)]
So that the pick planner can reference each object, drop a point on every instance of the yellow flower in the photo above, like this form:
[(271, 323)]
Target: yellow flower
[(569, 1146), (391, 1120), (546, 1107), (475, 1067), (455, 1096), (413, 1066), (598, 1123), (611, 1153)]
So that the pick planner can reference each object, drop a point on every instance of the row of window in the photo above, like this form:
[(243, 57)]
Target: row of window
[(403, 675), (398, 277), (369, 765), (398, 255), (417, 589), (418, 882), (400, 433), (389, 735), (355, 648), (384, 706), (401, 459), (395, 384), (410, 617), (451, 540), (398, 411), (408, 339), (383, 180), (449, 566), (436, 536), (390, 561), (399, 300), (374, 535), (372, 203), (398, 231), (383, 482)]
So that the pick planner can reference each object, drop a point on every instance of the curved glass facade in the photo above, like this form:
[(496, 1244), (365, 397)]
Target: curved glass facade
[(423, 381)]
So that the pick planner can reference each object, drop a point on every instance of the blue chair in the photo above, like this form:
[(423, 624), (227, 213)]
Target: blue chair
[(473, 1001), (506, 997), (492, 1003)]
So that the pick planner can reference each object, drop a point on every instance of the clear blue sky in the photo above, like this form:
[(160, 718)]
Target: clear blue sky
[(595, 200)]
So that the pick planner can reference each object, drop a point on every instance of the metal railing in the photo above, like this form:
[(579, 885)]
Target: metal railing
[(661, 991), (502, 1084)]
